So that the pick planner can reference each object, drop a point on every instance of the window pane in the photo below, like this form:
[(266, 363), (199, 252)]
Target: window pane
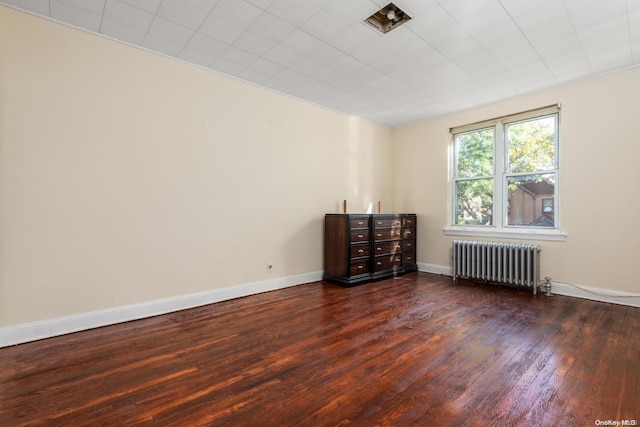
[(474, 153), (531, 200), (475, 202), (532, 145)]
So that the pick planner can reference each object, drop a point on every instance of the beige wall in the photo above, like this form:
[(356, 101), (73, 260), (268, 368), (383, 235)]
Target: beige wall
[(127, 177), (599, 152)]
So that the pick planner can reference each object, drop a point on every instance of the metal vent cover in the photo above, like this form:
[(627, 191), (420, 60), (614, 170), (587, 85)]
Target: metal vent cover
[(387, 18)]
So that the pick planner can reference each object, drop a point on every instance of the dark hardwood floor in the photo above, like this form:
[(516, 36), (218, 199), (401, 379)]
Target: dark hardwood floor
[(415, 350)]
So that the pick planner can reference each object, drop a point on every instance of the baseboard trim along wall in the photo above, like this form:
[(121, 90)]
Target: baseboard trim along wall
[(435, 269), (559, 288), (33, 331)]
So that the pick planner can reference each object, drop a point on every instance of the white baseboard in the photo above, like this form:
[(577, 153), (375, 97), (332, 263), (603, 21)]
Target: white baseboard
[(436, 269), (596, 294), (33, 331), (558, 288)]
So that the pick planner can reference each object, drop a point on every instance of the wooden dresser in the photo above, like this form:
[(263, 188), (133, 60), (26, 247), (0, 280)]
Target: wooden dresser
[(359, 248)]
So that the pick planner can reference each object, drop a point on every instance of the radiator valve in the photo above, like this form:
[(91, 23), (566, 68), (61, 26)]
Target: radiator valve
[(545, 286)]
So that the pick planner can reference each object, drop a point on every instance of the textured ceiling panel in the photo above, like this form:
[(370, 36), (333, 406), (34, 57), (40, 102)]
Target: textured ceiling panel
[(452, 54)]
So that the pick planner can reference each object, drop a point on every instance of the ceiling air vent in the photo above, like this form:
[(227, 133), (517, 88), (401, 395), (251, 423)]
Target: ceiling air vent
[(387, 18)]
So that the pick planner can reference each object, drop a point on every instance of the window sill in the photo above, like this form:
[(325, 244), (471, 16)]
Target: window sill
[(549, 235)]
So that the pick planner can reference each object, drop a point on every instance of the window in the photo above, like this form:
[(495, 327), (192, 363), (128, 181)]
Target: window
[(505, 173)]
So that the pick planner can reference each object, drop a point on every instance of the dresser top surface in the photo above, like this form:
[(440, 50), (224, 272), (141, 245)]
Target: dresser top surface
[(372, 215)]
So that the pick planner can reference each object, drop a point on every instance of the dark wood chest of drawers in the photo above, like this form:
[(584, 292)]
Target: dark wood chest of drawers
[(359, 248)]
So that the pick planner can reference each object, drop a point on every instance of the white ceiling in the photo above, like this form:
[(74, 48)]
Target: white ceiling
[(453, 54)]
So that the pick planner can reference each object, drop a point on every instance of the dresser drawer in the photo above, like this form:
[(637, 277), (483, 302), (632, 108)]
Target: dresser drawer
[(408, 233), (393, 247), (360, 223), (387, 234), (360, 236), (409, 245), (358, 251), (408, 259), (386, 262), (392, 222), (408, 222), (359, 267)]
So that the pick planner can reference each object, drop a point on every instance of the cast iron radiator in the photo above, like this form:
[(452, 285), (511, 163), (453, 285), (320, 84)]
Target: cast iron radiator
[(508, 263)]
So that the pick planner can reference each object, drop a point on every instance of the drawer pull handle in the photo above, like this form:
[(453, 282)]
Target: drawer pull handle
[(409, 244), (360, 251), (360, 267), (378, 249), (379, 222), (360, 222), (360, 235), (408, 232), (378, 263), (379, 235)]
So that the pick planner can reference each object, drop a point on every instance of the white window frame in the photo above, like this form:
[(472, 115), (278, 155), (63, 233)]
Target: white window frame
[(499, 228)]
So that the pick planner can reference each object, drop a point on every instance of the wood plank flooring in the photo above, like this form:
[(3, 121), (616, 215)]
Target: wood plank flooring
[(416, 350)]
